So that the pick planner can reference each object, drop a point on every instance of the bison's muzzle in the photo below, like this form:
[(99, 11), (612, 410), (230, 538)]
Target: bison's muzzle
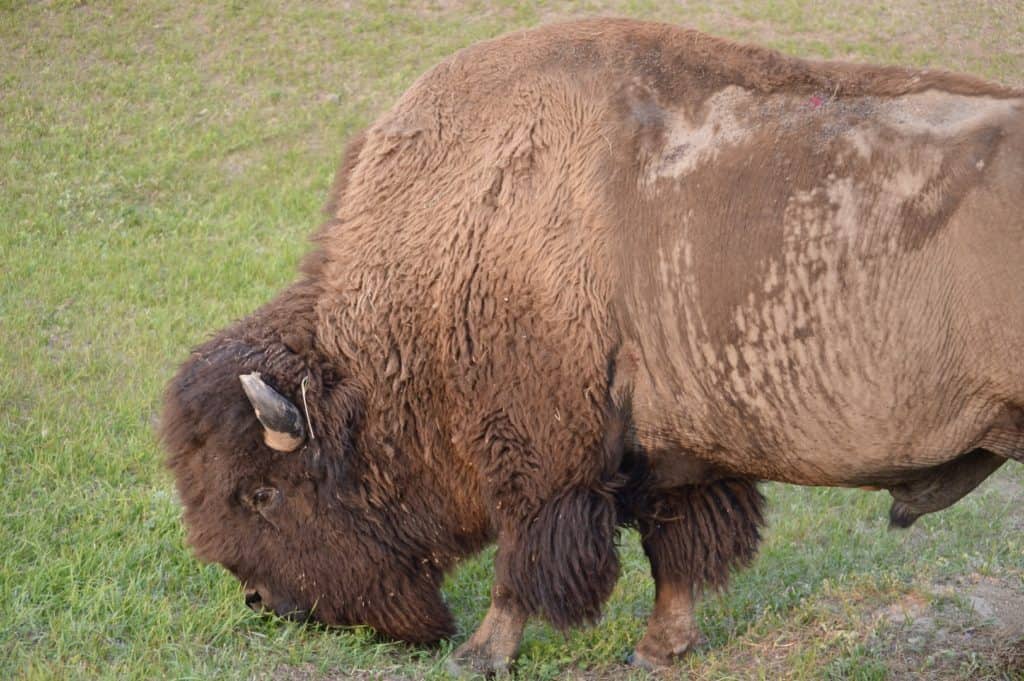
[(255, 601)]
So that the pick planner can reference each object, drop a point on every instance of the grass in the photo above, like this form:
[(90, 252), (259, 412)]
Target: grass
[(160, 166)]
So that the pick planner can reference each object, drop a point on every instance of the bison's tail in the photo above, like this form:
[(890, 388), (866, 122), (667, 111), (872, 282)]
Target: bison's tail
[(564, 565), (700, 533)]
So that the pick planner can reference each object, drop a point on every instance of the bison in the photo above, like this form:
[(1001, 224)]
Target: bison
[(612, 273)]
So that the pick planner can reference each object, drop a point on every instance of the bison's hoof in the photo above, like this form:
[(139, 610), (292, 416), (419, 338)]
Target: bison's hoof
[(654, 654), (470, 661)]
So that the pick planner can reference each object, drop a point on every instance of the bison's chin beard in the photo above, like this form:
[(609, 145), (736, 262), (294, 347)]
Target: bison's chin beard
[(419, 616), (407, 612)]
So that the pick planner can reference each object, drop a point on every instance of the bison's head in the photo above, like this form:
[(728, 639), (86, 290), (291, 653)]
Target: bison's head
[(273, 463)]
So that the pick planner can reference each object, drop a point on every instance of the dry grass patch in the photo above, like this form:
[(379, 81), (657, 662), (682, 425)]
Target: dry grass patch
[(927, 632)]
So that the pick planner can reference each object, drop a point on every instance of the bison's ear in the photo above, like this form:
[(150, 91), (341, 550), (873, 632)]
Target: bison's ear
[(282, 422)]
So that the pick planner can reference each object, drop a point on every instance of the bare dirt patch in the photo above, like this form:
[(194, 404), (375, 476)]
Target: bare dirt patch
[(972, 628)]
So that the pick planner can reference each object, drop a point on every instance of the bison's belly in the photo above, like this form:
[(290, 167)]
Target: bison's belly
[(803, 424)]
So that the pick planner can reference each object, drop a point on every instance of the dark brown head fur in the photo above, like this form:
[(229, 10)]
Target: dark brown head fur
[(312, 531)]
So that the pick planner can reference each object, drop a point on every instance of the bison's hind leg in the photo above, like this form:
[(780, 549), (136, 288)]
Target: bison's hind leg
[(694, 536)]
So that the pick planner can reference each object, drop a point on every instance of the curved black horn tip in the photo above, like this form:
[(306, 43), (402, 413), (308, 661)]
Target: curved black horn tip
[(282, 420)]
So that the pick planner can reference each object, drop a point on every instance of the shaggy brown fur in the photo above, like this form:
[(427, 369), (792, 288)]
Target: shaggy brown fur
[(698, 534), (759, 251), (297, 561)]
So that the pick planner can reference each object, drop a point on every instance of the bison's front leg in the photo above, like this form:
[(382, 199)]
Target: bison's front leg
[(560, 563), (546, 445), (495, 643), (693, 536), (672, 630)]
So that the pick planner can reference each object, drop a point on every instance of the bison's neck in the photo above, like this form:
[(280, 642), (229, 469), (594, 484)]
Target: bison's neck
[(375, 326)]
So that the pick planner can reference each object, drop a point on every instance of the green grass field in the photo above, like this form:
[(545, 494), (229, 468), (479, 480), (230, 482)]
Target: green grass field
[(160, 168)]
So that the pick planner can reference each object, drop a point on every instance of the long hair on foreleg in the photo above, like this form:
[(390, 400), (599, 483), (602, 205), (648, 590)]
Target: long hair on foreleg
[(701, 533), (565, 563)]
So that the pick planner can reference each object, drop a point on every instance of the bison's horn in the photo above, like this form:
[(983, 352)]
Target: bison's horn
[(282, 422)]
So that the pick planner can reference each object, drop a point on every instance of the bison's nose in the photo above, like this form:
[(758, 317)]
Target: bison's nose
[(253, 599)]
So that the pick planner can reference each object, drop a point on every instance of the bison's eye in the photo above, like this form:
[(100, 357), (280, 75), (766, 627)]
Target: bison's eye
[(264, 499)]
